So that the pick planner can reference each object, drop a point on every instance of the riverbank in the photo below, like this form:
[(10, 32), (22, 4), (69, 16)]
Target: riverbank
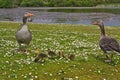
[(97, 7), (81, 40)]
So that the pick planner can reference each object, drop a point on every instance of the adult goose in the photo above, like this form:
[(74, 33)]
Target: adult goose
[(23, 36), (107, 44)]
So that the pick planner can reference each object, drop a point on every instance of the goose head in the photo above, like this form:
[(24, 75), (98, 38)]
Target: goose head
[(25, 16), (98, 22)]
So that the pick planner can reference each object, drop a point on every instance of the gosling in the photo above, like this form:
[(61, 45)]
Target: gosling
[(36, 51), (40, 57), (71, 57), (61, 55), (51, 54)]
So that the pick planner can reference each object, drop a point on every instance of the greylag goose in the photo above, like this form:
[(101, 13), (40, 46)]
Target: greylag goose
[(51, 53), (71, 56), (23, 36), (40, 57), (107, 44), (61, 54)]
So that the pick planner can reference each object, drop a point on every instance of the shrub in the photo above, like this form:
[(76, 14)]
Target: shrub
[(53, 3), (6, 3), (33, 3)]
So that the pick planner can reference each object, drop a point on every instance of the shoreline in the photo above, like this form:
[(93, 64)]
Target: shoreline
[(97, 7), (69, 7), (51, 23)]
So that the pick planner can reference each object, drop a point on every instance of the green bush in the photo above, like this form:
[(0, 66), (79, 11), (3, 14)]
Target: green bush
[(53, 3), (33, 3), (6, 3)]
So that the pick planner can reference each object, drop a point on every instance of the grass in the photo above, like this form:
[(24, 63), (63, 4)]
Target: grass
[(82, 40)]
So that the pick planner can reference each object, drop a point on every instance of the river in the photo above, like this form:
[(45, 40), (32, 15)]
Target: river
[(66, 15)]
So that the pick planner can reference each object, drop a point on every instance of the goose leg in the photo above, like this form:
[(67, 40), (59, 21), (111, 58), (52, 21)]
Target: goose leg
[(20, 49), (26, 51), (111, 57)]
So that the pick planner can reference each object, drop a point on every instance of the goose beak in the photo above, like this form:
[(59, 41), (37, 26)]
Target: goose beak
[(30, 14), (94, 22)]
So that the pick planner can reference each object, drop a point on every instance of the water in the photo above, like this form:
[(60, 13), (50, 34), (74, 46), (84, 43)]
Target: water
[(110, 16)]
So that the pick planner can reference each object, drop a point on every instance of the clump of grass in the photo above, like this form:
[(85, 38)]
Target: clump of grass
[(81, 40)]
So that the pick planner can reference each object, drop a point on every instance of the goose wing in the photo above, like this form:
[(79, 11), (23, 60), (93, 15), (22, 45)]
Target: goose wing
[(23, 36), (109, 44)]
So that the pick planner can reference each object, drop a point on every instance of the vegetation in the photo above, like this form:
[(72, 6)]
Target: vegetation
[(53, 3), (6, 3), (81, 40)]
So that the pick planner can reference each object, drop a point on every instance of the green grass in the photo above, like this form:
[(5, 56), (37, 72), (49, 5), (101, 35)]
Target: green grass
[(82, 40)]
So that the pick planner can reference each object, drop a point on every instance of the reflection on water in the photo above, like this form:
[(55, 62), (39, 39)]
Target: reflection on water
[(111, 17), (86, 10)]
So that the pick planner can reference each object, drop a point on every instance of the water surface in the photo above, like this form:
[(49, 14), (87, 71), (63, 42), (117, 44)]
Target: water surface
[(110, 16)]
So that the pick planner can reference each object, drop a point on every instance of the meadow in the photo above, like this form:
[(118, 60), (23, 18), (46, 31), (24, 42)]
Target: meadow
[(81, 40)]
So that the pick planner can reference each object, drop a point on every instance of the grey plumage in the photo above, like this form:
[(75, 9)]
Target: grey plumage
[(23, 36), (109, 44), (106, 43)]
